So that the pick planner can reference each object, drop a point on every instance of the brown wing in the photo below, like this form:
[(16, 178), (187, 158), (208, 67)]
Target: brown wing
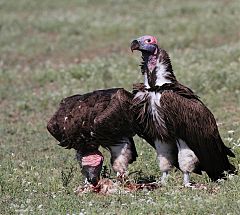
[(92, 118), (189, 119), (115, 121)]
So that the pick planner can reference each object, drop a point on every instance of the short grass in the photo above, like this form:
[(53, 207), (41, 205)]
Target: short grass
[(53, 49)]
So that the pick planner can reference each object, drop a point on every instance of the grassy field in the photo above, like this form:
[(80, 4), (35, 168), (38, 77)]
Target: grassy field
[(53, 49)]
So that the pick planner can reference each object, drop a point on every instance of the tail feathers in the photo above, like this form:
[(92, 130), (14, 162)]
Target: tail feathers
[(134, 151), (232, 170), (223, 174), (229, 152)]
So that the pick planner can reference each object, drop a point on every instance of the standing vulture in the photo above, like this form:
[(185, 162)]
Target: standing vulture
[(100, 118), (182, 128)]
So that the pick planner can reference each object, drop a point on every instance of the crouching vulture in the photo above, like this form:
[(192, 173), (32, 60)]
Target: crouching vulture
[(100, 118), (182, 128)]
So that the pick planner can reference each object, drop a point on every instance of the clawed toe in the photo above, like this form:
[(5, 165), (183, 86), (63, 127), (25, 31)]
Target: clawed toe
[(196, 186), (121, 176), (189, 185)]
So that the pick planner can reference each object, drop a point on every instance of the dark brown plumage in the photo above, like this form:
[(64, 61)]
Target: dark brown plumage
[(172, 117), (186, 117), (100, 118)]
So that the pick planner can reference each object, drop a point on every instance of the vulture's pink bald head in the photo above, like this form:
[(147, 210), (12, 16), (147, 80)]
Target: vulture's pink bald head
[(146, 43)]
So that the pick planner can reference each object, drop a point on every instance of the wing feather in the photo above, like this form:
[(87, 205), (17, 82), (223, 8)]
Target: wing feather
[(116, 116), (92, 117)]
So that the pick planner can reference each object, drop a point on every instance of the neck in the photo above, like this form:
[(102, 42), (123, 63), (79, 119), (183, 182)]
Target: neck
[(157, 69)]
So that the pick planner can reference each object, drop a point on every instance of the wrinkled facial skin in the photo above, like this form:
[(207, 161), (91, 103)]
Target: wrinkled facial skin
[(92, 173), (91, 164), (145, 44)]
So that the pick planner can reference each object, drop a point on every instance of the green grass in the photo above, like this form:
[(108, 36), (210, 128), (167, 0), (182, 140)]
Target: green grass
[(53, 49)]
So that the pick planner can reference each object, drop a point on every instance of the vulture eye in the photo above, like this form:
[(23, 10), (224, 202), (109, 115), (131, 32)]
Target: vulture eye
[(148, 41)]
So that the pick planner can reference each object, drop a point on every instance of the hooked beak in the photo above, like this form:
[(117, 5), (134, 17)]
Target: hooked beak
[(92, 174), (93, 179), (135, 45)]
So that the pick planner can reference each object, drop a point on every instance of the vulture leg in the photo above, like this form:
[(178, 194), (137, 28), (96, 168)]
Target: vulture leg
[(186, 179), (122, 153), (166, 153), (164, 177), (187, 160)]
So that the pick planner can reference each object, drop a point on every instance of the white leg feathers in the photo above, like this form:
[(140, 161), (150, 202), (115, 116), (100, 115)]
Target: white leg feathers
[(121, 155), (166, 154), (166, 157), (187, 160)]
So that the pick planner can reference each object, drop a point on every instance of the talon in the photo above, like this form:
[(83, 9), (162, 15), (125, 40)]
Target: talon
[(189, 185), (121, 176), (196, 186)]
